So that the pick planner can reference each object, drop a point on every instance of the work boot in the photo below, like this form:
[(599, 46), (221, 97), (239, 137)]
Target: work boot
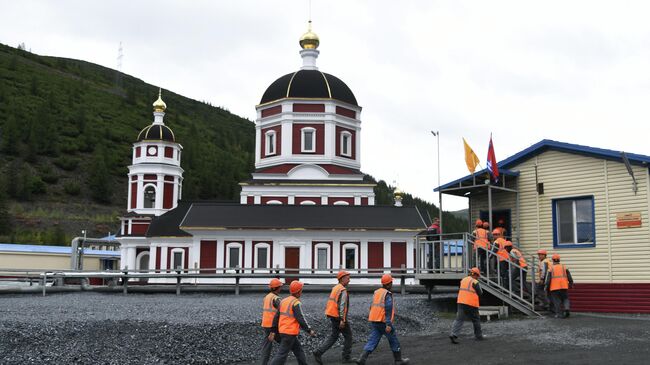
[(398, 358), (317, 357), (362, 359), (453, 339)]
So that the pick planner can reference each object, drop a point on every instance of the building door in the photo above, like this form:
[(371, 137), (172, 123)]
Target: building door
[(500, 217), (397, 255), (375, 256), (291, 261), (208, 257)]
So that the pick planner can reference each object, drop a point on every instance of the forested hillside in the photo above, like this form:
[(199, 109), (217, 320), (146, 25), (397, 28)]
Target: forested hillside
[(66, 129)]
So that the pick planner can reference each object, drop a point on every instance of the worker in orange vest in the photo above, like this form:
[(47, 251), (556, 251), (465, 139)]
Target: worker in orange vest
[(544, 265), (468, 304), (288, 321), (503, 256), (518, 258), (381, 316), (336, 311), (558, 282), (481, 244), (271, 305)]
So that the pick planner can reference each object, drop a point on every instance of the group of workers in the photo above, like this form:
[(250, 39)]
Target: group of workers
[(552, 279), (283, 319)]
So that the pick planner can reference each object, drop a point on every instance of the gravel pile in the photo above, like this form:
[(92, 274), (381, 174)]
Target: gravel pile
[(95, 328)]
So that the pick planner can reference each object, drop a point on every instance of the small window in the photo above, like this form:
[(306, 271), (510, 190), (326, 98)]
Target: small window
[(177, 260), (270, 143), (150, 197), (234, 257), (321, 254), (573, 222), (350, 258), (346, 144), (308, 140), (262, 257)]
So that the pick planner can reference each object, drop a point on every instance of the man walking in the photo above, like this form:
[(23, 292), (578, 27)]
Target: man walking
[(270, 308), (336, 311), (381, 316), (468, 304), (289, 320), (544, 265), (558, 281)]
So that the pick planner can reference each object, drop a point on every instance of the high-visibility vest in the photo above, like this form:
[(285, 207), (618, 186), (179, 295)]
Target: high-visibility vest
[(540, 272), (466, 293), (501, 252), (481, 238), (288, 324), (559, 278), (520, 256), (332, 307), (268, 311), (378, 307)]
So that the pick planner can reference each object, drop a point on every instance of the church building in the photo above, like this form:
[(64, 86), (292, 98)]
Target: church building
[(307, 204)]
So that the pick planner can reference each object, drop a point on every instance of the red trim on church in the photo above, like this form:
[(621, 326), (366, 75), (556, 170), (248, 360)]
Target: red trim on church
[(250, 200), (134, 195), (271, 111), (320, 139), (283, 199), (168, 196), (346, 112), (309, 108), (208, 256), (279, 169), (299, 199), (364, 200), (339, 170), (169, 152), (137, 152)]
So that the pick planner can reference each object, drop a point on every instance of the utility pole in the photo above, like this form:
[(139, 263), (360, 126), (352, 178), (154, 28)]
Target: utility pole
[(437, 135)]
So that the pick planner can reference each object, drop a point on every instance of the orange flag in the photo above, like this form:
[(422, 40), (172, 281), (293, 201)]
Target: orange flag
[(470, 157)]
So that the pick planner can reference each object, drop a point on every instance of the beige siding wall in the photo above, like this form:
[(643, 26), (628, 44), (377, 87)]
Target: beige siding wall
[(620, 255), (14, 260)]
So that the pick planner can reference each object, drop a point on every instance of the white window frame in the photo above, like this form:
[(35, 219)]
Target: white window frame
[(173, 263), (303, 131), (230, 245), (139, 257), (268, 256), (144, 195), (557, 225), (270, 148), (346, 145), (346, 246), (328, 257)]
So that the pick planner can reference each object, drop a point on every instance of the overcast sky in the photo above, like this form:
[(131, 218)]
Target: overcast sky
[(572, 71)]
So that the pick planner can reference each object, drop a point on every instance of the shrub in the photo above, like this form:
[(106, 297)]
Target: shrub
[(72, 188), (67, 163)]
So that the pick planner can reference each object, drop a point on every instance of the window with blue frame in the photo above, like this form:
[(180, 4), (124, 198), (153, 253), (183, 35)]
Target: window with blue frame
[(573, 222)]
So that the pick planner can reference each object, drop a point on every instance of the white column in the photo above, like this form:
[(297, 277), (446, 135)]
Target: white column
[(195, 253), (287, 135), (123, 257), (248, 253), (386, 253), (364, 254), (258, 143), (128, 193), (152, 257), (291, 199), (257, 199), (139, 201), (371, 200), (357, 200), (160, 187), (323, 200), (220, 256), (357, 147), (336, 254), (176, 191), (163, 257), (305, 259), (243, 199), (330, 139), (131, 257)]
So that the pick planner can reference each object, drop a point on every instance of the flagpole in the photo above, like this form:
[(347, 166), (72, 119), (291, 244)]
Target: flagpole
[(437, 135)]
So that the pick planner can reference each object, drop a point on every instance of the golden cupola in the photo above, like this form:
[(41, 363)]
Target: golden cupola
[(159, 105), (309, 40)]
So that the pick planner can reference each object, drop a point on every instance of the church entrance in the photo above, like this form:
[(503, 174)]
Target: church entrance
[(291, 261)]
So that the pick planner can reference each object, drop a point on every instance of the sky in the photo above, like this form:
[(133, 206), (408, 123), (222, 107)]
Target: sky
[(522, 71)]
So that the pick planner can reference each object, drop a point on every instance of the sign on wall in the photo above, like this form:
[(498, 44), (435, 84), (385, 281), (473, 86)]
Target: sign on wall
[(628, 220)]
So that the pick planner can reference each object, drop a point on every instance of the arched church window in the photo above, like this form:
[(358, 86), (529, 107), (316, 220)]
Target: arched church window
[(150, 197), (346, 144), (308, 140), (270, 143)]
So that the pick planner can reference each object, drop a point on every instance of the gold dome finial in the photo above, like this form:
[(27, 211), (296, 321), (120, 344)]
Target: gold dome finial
[(159, 105), (309, 40)]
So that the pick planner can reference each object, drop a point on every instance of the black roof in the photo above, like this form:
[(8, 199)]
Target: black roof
[(167, 225), (309, 84), (235, 216), (156, 132)]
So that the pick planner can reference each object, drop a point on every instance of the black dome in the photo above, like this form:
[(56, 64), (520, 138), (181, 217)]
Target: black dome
[(156, 132), (309, 84)]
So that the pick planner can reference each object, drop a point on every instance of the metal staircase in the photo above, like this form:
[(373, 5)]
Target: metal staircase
[(445, 259)]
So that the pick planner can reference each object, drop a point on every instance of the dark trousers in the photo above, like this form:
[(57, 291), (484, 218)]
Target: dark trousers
[(542, 296), (334, 336), (482, 259), (267, 346), (378, 329), (560, 299), (288, 344), (516, 273), (504, 273), (467, 312)]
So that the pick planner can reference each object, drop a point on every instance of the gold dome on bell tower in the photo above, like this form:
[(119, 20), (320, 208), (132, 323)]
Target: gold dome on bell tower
[(309, 40), (159, 105)]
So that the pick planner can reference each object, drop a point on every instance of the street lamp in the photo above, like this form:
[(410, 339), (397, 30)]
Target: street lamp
[(437, 135)]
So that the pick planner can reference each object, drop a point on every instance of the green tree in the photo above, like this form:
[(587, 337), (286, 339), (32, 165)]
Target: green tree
[(99, 177), (6, 226)]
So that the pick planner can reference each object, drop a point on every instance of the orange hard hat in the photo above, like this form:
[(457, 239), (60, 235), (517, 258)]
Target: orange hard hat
[(542, 252), (496, 232), (479, 223), (295, 287), (475, 270), (507, 244), (486, 224), (341, 274), (386, 278), (275, 283), (556, 257)]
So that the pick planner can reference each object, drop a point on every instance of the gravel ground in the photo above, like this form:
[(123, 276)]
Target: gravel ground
[(96, 328)]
